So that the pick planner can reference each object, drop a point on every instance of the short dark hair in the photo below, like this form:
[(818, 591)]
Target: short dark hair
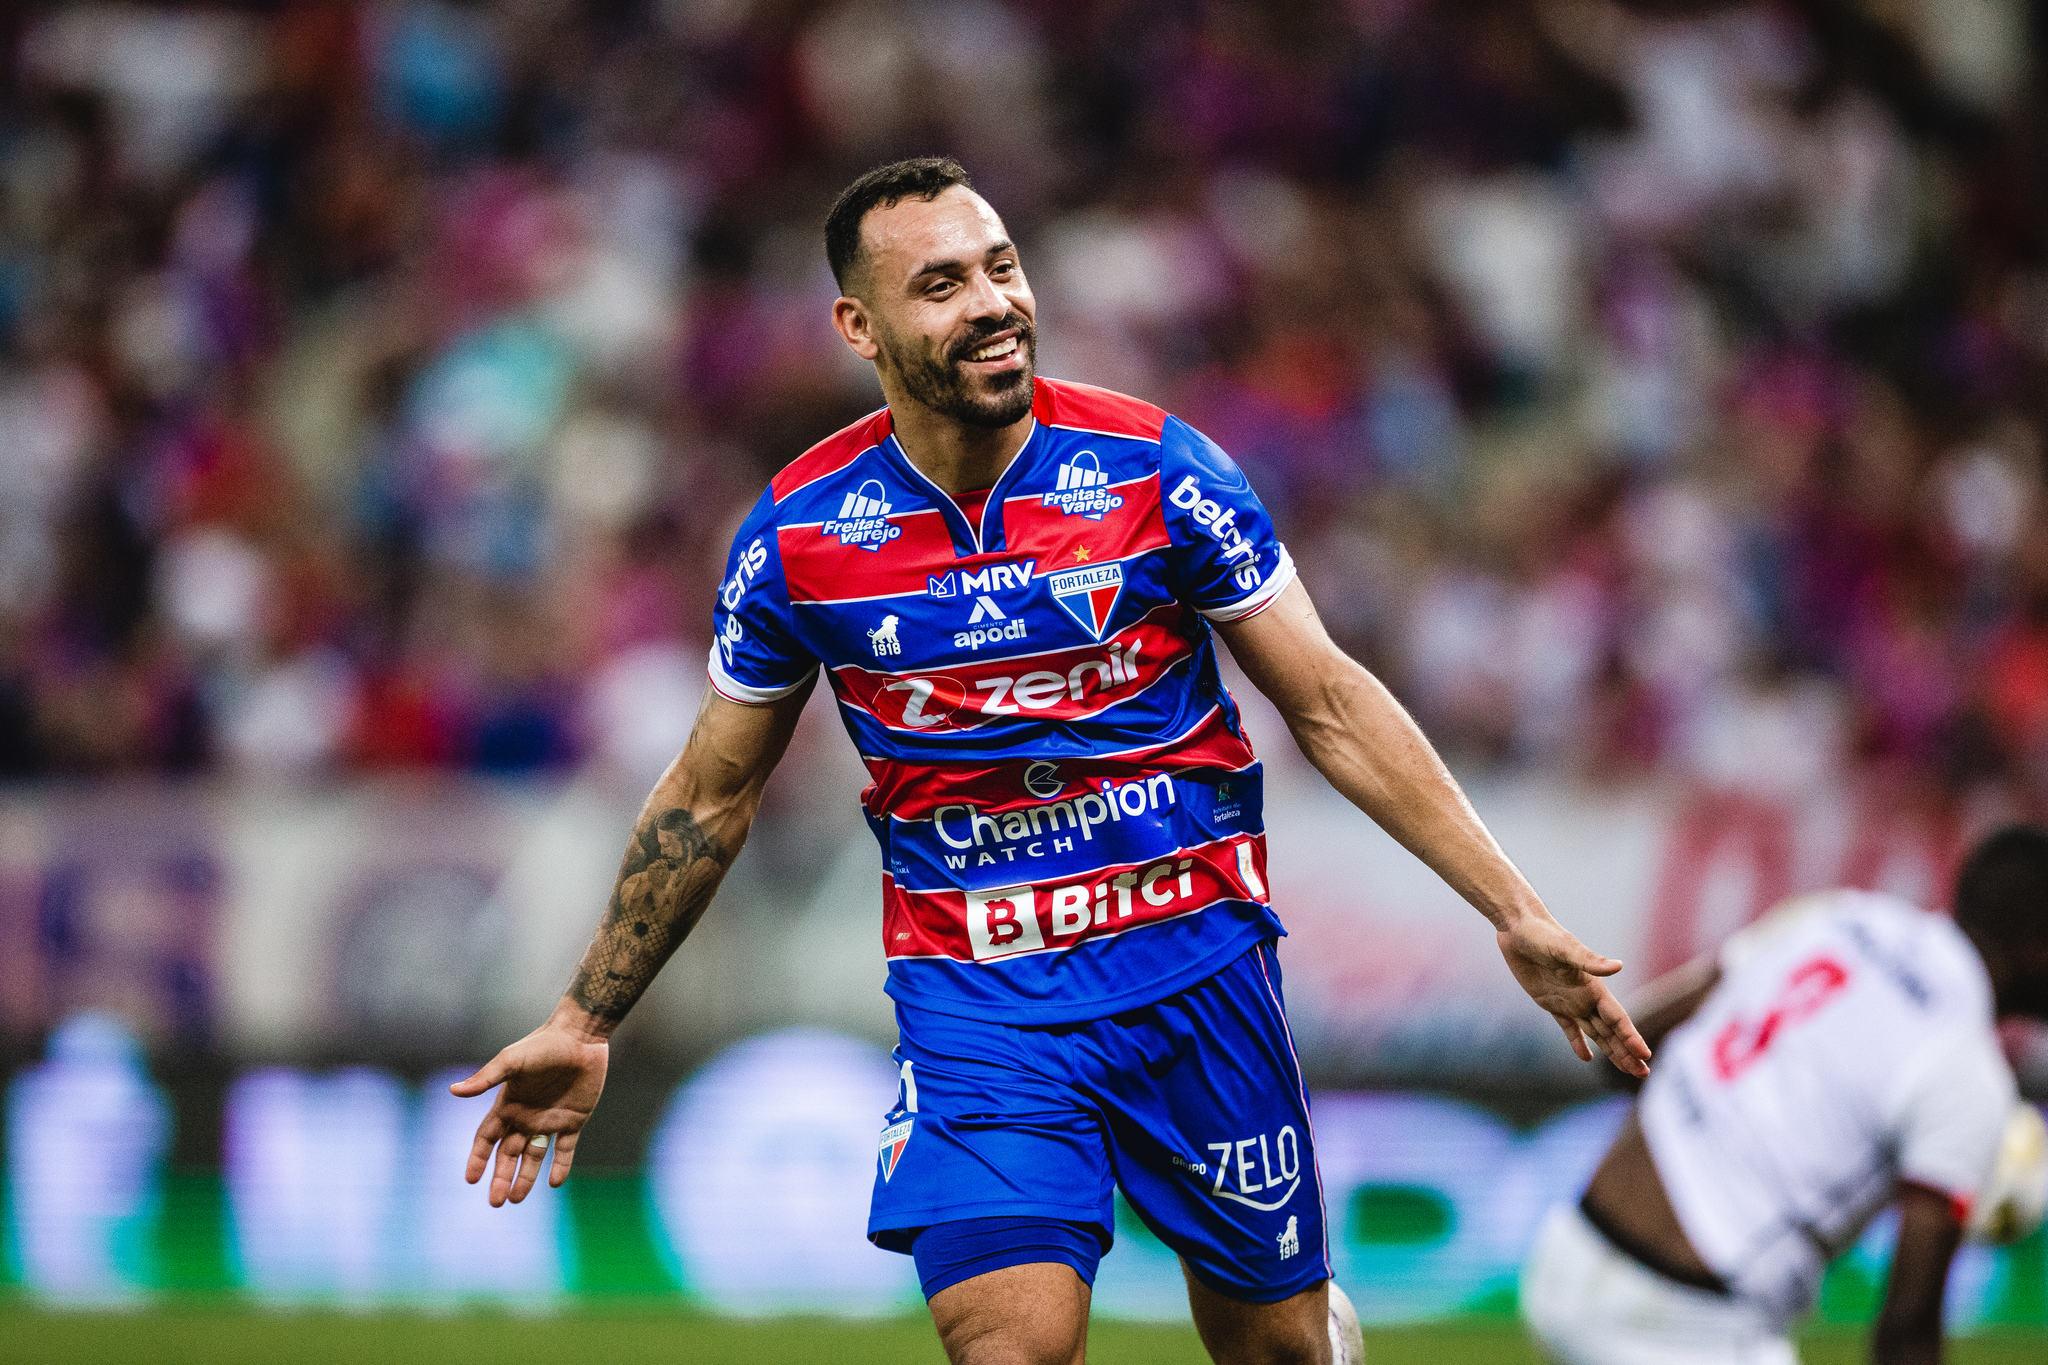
[(2002, 890), (919, 177)]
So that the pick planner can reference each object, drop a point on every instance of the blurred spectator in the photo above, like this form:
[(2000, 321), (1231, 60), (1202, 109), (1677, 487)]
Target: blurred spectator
[(1644, 388)]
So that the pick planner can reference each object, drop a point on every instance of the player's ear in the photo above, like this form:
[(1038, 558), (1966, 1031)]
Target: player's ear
[(856, 329)]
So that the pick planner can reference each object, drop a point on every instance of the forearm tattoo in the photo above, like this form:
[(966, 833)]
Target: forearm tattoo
[(669, 874)]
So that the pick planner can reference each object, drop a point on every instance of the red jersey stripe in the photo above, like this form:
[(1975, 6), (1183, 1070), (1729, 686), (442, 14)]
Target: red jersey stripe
[(912, 791), (817, 568), (1058, 684), (832, 454), (1059, 541), (975, 926), (1063, 403)]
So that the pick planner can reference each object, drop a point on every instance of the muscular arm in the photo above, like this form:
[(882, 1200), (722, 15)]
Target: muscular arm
[(692, 824), (1909, 1327), (689, 829), (1360, 738)]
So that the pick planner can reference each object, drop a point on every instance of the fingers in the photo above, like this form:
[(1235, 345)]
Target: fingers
[(1574, 1037), (1592, 963), (565, 1155), (530, 1161), (483, 1078), (1628, 1049), (506, 1167), (487, 1134)]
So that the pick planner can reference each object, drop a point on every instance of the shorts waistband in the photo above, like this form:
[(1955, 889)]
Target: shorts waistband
[(1646, 1257)]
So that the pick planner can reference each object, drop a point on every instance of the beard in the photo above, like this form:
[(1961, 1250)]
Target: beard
[(940, 381)]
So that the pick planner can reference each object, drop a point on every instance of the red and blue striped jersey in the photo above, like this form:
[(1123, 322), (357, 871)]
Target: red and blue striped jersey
[(1068, 808)]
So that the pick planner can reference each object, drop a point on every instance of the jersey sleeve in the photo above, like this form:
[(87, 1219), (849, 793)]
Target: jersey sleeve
[(756, 656), (1226, 560), (1950, 1112)]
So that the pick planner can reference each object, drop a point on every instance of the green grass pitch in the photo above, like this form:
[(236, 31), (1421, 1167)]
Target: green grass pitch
[(229, 1336)]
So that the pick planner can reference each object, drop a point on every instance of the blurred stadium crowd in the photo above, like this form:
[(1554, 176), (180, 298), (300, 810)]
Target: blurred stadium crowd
[(1645, 388)]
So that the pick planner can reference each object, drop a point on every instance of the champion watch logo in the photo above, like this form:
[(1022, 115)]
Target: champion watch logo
[(1083, 489), (863, 518), (1089, 595), (894, 1139), (1042, 779)]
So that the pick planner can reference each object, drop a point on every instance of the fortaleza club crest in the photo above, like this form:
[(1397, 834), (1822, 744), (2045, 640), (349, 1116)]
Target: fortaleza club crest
[(1083, 489), (863, 518), (894, 1139), (1088, 595)]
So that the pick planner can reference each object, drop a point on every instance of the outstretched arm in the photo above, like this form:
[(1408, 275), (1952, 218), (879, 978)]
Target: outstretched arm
[(1359, 737), (691, 826)]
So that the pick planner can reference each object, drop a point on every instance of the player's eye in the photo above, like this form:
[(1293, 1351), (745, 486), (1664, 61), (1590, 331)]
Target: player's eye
[(938, 289), (1004, 269)]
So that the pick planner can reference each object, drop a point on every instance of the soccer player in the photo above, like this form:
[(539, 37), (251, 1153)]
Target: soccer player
[(1013, 585), (1839, 1055)]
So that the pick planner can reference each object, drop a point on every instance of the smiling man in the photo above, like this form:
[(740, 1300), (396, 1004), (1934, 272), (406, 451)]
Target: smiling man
[(1014, 586)]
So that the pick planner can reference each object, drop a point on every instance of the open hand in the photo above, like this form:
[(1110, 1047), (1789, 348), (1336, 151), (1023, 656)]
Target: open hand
[(552, 1078), (1563, 976)]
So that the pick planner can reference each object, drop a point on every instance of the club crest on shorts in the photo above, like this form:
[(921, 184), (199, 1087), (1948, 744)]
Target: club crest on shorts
[(894, 1139), (1088, 595)]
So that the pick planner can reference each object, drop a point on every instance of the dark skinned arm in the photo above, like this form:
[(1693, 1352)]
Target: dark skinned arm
[(1909, 1327)]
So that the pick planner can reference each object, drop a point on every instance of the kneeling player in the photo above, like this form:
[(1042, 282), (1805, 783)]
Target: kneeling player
[(1839, 1056)]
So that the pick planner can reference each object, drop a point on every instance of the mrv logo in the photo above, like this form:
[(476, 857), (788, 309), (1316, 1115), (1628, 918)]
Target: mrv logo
[(1036, 831), (1254, 1166), (1216, 519), (986, 579), (1083, 489), (863, 518)]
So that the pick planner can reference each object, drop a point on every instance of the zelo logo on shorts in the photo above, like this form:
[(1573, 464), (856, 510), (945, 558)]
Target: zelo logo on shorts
[(863, 519), (1249, 1169)]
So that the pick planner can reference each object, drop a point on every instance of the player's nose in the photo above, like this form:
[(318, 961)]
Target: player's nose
[(983, 299)]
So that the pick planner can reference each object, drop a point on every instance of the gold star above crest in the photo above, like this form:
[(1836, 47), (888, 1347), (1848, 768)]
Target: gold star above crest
[(1080, 553)]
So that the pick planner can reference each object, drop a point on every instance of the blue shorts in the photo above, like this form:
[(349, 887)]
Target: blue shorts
[(1194, 1106)]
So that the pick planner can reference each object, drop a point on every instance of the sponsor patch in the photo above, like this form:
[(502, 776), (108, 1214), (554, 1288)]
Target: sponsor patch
[(863, 519), (1083, 489), (1088, 595)]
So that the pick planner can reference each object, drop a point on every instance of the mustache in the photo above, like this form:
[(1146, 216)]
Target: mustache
[(981, 336)]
